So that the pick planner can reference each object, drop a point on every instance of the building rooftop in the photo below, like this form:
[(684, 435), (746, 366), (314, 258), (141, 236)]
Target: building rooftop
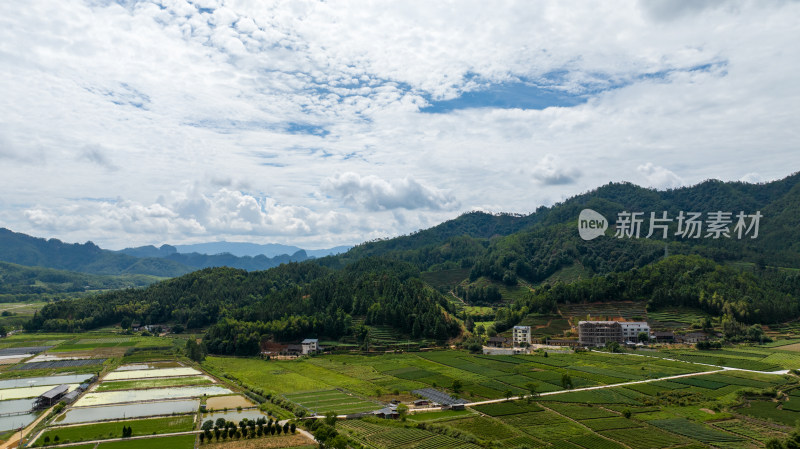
[(55, 392), (310, 340), (598, 322), (522, 327)]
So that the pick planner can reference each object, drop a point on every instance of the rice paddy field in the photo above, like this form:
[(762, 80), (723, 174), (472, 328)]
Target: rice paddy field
[(154, 391)]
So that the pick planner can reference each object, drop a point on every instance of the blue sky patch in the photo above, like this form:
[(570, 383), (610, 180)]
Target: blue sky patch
[(507, 96)]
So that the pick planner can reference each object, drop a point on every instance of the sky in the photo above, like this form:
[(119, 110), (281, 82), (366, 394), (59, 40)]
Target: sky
[(331, 123)]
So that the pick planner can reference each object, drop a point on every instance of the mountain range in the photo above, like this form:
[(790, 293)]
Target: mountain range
[(164, 261), (520, 263)]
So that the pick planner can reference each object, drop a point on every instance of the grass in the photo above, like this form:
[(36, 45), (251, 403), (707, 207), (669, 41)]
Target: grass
[(102, 431)]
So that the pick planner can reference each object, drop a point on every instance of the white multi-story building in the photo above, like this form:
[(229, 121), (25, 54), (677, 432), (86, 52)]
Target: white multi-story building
[(310, 345), (522, 336), (632, 329)]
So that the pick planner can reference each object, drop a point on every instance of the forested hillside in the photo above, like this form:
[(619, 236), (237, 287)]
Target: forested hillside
[(765, 295), (288, 302)]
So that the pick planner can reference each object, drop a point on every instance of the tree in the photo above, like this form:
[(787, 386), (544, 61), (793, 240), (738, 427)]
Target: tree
[(220, 422), (509, 393), (566, 381), (208, 425), (402, 410), (293, 428), (217, 432), (195, 351), (457, 385), (286, 427), (533, 388), (330, 418), (644, 337), (626, 413), (202, 437)]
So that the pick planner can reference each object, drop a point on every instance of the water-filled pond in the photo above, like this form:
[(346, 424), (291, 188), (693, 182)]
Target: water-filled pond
[(16, 405), (28, 392), (14, 422), (235, 416), (89, 414), (154, 394), (149, 373), (149, 365), (47, 380)]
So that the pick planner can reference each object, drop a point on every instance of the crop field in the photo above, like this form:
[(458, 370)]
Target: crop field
[(103, 431), (445, 278), (150, 373), (682, 426), (650, 438), (769, 411), (676, 316), (748, 358), (628, 310), (153, 383), (750, 429), (171, 442), (481, 377), (337, 401), (393, 437)]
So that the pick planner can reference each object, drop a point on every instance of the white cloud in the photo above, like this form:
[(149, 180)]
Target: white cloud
[(659, 177), (274, 98), (374, 193), (551, 170)]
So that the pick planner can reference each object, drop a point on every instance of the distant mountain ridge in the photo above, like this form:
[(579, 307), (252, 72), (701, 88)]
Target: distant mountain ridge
[(165, 261), (22, 249), (242, 249)]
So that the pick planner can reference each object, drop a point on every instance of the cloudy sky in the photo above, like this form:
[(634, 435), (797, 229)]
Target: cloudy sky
[(325, 123)]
